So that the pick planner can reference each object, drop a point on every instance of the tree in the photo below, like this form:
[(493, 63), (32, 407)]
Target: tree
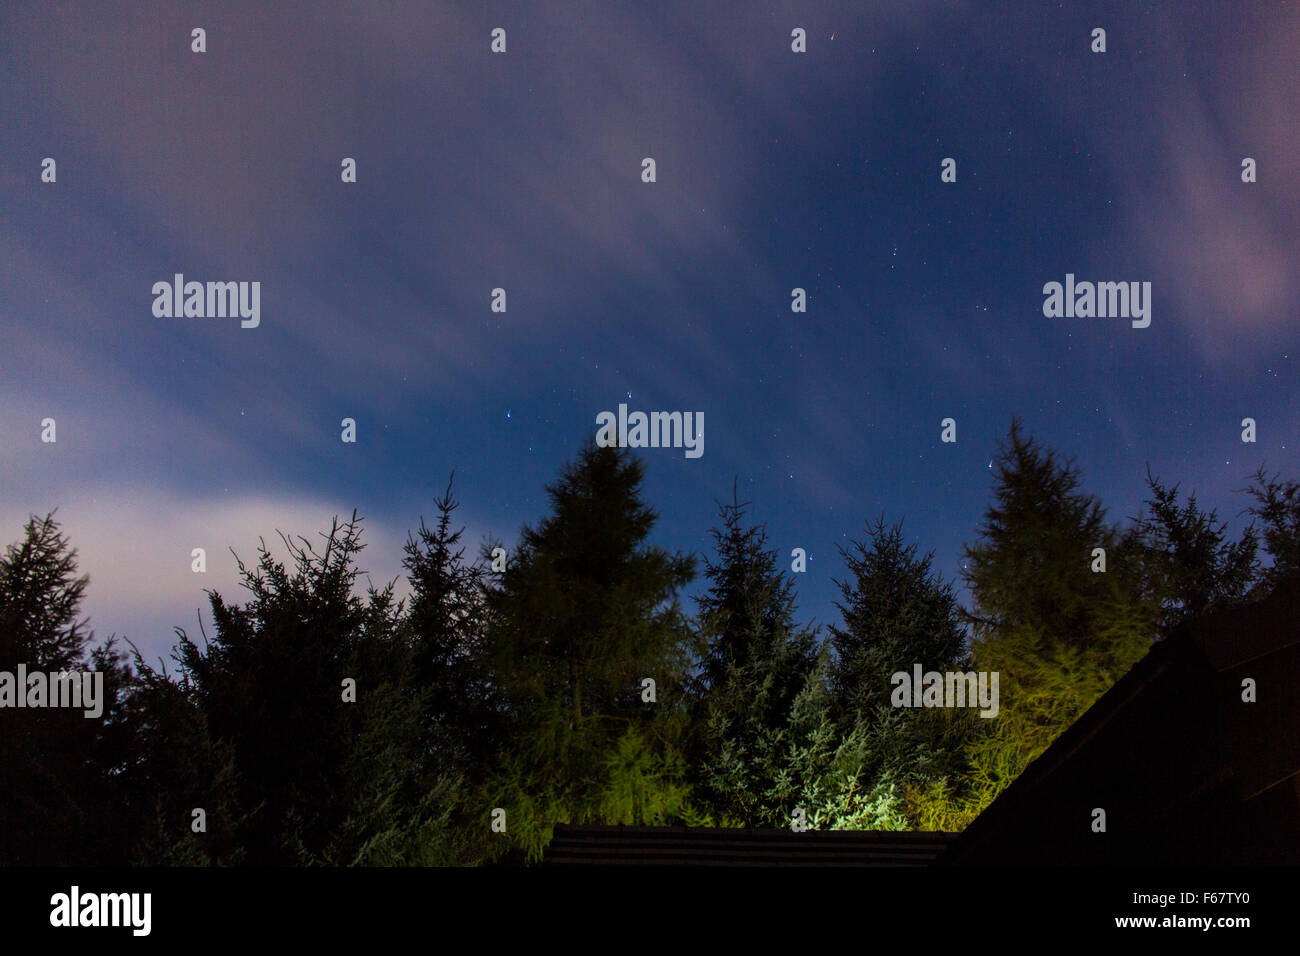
[(756, 663), (322, 778), (175, 767), (62, 802), (445, 625), (1277, 508), (585, 610), (897, 612), (1058, 632), (1194, 566)]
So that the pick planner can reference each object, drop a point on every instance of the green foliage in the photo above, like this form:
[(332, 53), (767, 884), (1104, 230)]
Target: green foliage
[(752, 717), (534, 801), (1058, 634), (584, 611), (856, 804), (897, 612), (944, 804), (585, 608), (522, 690), (646, 785)]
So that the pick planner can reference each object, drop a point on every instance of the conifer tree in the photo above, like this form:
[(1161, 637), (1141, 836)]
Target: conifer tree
[(756, 663), (1193, 564), (897, 612), (445, 625), (585, 611), (177, 767), (1058, 632), (311, 690), (1277, 508), (62, 801)]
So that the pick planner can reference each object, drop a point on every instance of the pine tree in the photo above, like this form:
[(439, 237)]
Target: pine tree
[(897, 612), (176, 767), (321, 779), (755, 665)]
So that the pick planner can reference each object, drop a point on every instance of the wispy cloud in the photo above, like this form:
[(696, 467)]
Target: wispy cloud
[(135, 543)]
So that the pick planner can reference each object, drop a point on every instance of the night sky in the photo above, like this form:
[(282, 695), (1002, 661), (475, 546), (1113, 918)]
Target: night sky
[(522, 170)]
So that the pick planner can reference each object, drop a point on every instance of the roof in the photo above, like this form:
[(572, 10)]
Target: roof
[(1187, 771), (715, 846)]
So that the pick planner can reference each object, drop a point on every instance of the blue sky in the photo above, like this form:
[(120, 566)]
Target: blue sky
[(775, 170)]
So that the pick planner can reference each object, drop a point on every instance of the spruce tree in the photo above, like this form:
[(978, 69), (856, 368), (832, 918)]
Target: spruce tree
[(176, 766), (445, 625), (755, 665), (897, 612)]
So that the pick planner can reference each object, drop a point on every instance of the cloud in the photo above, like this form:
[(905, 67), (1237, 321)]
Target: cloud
[(1225, 250), (135, 544)]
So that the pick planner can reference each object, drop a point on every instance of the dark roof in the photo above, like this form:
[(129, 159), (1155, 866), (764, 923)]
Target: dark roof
[(710, 846), (1187, 772)]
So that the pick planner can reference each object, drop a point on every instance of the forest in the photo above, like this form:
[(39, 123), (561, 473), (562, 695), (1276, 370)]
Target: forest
[(322, 724)]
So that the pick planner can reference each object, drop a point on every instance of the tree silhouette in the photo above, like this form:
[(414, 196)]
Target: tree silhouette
[(1277, 508), (321, 779), (897, 612), (63, 802), (1193, 565)]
